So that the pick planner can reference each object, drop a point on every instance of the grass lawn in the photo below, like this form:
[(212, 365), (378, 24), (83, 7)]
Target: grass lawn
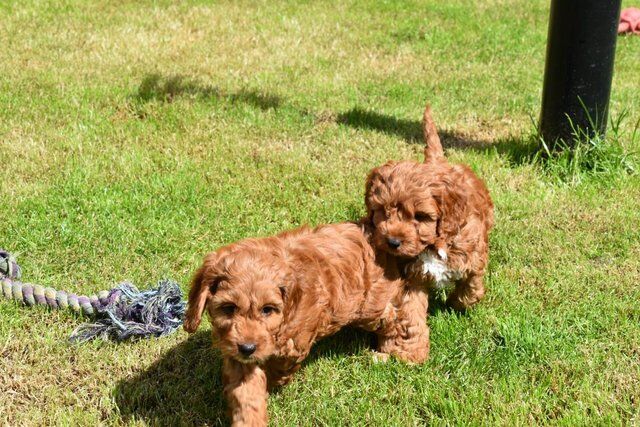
[(136, 136)]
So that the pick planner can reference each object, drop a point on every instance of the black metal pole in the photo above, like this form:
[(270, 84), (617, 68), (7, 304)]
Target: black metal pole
[(579, 68)]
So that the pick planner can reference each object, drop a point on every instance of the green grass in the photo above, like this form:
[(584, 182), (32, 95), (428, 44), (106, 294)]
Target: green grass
[(137, 136), (591, 156)]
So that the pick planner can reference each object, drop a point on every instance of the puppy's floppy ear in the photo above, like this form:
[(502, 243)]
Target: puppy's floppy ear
[(301, 312), (370, 192), (452, 203), (290, 291), (367, 195), (200, 291)]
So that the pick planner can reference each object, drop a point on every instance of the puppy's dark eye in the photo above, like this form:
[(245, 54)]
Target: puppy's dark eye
[(421, 216), (268, 310), (228, 309)]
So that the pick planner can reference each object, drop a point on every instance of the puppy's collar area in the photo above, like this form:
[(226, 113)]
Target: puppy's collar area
[(433, 266)]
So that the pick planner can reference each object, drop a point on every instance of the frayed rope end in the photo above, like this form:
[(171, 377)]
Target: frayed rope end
[(134, 314), (122, 313)]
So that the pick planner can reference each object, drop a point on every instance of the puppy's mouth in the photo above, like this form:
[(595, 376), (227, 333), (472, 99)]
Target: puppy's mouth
[(398, 245), (249, 360), (403, 255), (395, 252), (400, 252)]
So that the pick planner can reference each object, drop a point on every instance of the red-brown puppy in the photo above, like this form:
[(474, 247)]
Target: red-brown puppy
[(270, 299), (434, 218)]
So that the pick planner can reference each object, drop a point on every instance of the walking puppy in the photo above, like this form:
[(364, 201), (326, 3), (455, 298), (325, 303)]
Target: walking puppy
[(269, 300), (434, 219)]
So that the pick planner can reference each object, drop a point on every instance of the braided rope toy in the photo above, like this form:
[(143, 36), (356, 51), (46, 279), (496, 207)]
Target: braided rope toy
[(119, 314)]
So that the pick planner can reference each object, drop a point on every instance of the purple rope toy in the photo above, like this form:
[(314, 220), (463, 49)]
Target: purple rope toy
[(120, 314)]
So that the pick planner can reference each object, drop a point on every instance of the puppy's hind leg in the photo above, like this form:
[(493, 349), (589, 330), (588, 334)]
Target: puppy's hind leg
[(245, 387), (468, 291)]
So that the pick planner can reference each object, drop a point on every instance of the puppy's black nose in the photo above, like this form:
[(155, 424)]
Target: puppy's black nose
[(393, 243), (247, 349)]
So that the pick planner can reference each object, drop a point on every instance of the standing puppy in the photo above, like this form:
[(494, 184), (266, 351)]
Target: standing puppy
[(269, 300), (434, 218)]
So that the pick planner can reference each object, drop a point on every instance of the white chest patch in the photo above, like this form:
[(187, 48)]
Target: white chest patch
[(435, 267)]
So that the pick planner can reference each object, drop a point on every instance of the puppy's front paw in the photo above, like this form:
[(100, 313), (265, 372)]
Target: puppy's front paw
[(378, 357)]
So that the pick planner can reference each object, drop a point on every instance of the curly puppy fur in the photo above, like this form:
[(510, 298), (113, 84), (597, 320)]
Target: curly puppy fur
[(269, 300), (434, 218)]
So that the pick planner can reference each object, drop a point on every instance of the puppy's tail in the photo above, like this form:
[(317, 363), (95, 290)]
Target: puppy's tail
[(433, 151)]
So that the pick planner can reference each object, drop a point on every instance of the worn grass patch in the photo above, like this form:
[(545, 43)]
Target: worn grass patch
[(137, 136)]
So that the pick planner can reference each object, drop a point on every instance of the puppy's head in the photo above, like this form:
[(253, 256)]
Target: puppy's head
[(410, 206), (243, 290)]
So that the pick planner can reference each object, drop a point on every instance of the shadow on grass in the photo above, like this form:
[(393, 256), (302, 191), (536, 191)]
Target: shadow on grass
[(155, 87), (347, 342), (409, 130), (184, 387), (437, 304), (517, 150)]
